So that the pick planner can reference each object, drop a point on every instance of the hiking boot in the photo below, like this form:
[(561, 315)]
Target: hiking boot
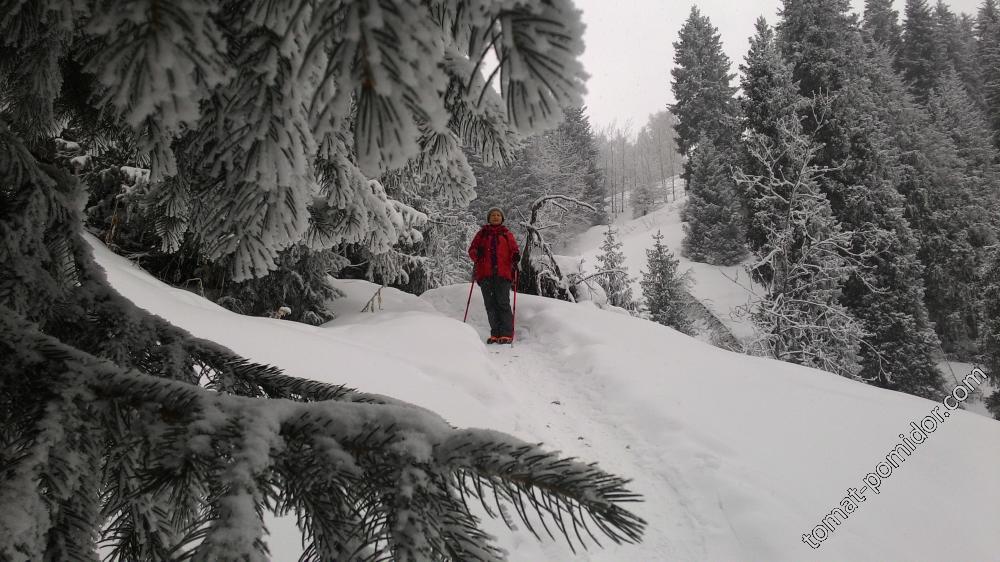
[(505, 339), (492, 339)]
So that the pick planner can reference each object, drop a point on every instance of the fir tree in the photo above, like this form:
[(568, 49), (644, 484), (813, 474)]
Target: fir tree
[(934, 44), (615, 279), (700, 82), (579, 138), (119, 427), (955, 47), (988, 59), (642, 200), (890, 298), (511, 185), (957, 210), (920, 56), (881, 23), (714, 227), (302, 281), (965, 60), (663, 288), (768, 97), (443, 251), (821, 40), (855, 94), (767, 92)]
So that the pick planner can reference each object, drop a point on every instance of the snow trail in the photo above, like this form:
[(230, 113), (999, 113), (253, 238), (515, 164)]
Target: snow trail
[(571, 413), (570, 409)]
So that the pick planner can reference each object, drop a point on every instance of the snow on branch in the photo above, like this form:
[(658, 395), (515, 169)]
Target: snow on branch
[(368, 441), (537, 205)]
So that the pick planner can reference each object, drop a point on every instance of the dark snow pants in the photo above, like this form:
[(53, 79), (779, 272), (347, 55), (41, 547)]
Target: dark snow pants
[(496, 296)]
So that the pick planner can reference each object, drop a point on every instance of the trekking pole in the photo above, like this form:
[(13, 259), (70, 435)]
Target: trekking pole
[(471, 286), (513, 314)]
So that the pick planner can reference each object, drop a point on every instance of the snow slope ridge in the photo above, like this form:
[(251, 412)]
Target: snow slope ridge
[(736, 456)]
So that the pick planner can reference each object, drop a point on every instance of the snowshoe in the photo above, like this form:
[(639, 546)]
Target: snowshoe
[(492, 339), (505, 340)]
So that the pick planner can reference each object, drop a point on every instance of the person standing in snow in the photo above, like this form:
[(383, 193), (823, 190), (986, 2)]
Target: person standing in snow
[(495, 254)]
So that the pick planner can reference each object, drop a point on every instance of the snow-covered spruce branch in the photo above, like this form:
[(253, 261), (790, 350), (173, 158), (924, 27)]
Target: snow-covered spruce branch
[(365, 445), (262, 96), (539, 203)]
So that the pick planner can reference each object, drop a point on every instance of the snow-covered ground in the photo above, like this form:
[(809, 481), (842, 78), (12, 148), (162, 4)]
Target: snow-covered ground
[(736, 456)]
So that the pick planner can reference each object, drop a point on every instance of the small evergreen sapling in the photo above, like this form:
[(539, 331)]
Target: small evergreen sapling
[(663, 288), (615, 279), (643, 199)]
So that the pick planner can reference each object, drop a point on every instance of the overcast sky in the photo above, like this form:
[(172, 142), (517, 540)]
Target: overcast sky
[(629, 53)]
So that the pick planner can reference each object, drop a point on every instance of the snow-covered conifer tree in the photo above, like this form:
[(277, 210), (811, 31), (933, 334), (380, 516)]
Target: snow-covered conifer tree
[(577, 135), (881, 23), (707, 122), (117, 426), (714, 230), (956, 212), (857, 102), (700, 80), (642, 200), (920, 57), (988, 59), (616, 282), (663, 288), (767, 97), (955, 43)]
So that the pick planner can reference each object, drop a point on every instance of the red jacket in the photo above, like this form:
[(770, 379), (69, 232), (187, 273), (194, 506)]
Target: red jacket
[(494, 252)]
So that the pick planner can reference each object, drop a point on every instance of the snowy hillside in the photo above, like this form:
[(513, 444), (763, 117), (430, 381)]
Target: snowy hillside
[(737, 456), (722, 289)]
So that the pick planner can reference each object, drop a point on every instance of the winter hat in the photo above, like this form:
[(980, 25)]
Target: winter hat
[(497, 209)]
